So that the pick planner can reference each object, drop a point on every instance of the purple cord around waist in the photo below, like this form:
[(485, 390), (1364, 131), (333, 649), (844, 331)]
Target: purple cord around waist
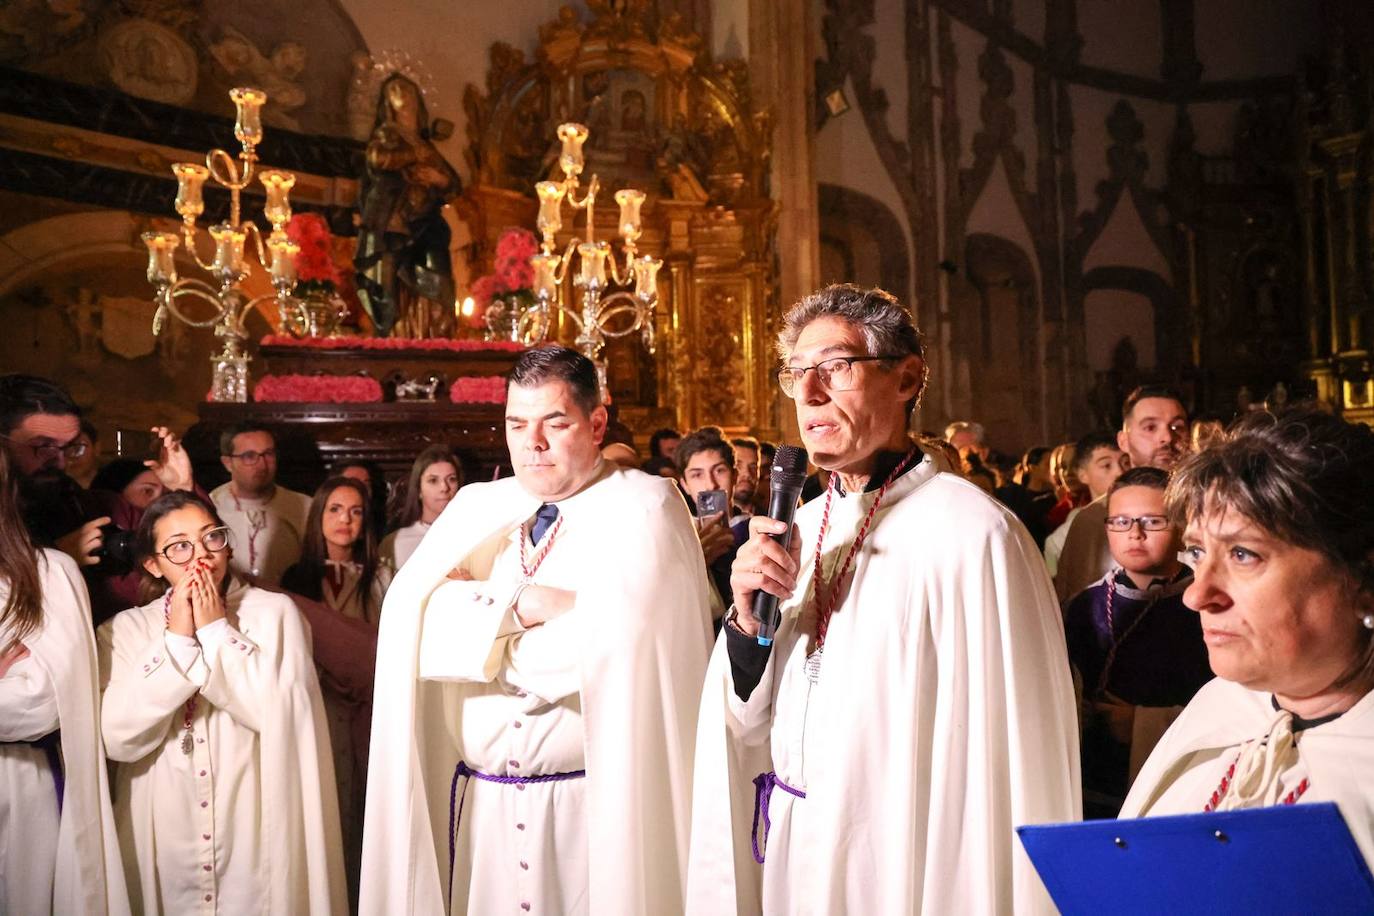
[(455, 803), (763, 791)]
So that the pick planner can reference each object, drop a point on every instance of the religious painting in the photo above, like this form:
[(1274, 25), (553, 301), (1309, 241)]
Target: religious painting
[(620, 113)]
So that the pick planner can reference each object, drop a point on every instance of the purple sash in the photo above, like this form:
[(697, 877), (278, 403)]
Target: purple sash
[(763, 791), (455, 804)]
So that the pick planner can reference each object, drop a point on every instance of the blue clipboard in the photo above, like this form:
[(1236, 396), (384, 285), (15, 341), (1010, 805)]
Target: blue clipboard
[(1285, 859)]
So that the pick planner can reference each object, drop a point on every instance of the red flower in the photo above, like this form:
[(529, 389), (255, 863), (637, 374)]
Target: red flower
[(314, 261), (484, 289), (389, 343), (318, 389), (473, 389)]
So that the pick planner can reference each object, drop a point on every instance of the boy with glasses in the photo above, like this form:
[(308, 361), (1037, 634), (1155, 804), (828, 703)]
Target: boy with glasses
[(268, 521), (1136, 648)]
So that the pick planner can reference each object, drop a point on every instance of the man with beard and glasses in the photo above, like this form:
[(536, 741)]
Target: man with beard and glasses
[(1154, 434), (40, 428)]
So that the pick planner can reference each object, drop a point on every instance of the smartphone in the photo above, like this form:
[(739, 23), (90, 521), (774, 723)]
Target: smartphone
[(711, 502), (140, 444)]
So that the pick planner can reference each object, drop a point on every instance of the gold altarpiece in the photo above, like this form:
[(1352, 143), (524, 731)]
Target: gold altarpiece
[(667, 119)]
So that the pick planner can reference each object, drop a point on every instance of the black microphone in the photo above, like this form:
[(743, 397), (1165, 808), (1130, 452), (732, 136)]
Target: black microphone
[(785, 484)]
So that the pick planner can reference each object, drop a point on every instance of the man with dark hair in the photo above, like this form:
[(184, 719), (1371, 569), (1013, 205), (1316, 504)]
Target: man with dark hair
[(746, 477), (705, 461), (914, 704), (1154, 434), (40, 426), (539, 661), (663, 443), (268, 521)]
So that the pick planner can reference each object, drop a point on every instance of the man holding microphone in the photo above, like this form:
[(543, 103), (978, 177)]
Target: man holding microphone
[(915, 703)]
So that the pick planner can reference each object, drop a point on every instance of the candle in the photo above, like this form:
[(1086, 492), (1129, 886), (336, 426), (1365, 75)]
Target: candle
[(593, 256), (629, 200), (190, 177), (546, 275), (248, 121), (278, 185), (573, 136), (550, 218), (162, 269), (283, 260), (646, 277), (228, 250)]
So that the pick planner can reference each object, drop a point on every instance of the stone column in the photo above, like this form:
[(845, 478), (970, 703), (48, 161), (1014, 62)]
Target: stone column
[(781, 72)]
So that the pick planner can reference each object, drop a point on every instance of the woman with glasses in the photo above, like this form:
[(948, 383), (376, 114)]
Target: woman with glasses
[(224, 794), (339, 569), (1278, 520), (59, 852), (1136, 649), (434, 480)]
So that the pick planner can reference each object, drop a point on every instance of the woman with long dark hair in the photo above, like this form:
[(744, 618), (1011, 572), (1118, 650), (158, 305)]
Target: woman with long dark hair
[(59, 852), (340, 571), (435, 477), (212, 713), (338, 564)]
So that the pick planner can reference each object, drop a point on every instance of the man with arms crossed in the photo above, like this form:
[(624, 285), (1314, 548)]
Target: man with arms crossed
[(538, 669), (916, 705)]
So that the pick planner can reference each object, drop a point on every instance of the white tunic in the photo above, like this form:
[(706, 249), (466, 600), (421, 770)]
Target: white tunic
[(943, 718), (235, 814), (267, 533), (401, 543), (1189, 762), (609, 686), (51, 861)]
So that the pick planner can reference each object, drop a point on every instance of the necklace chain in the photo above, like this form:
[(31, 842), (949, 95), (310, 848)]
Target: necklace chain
[(188, 718), (827, 594), (529, 567)]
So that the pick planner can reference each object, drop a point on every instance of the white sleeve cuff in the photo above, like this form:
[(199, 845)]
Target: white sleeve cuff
[(211, 636), (184, 650)]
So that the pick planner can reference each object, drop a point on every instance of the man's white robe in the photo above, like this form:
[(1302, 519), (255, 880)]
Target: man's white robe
[(248, 822), (612, 685), (268, 532), (1188, 763), (51, 862), (943, 718)]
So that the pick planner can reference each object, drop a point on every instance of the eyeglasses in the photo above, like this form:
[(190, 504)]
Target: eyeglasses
[(1121, 523), (836, 374), (254, 457), (182, 552), (74, 449)]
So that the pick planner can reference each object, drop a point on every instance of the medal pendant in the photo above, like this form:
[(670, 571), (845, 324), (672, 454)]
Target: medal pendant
[(186, 743), (813, 665)]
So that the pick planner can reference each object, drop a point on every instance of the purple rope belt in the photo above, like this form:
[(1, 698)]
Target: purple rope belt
[(455, 803), (763, 791)]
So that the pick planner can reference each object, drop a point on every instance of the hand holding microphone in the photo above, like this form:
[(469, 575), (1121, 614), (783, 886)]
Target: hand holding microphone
[(765, 569)]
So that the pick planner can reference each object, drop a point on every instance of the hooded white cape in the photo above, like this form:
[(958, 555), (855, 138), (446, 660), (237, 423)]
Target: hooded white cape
[(89, 877), (1189, 761), (644, 635), (955, 724)]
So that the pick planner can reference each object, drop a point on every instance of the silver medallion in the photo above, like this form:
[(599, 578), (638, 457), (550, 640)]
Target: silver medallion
[(813, 665), (186, 743)]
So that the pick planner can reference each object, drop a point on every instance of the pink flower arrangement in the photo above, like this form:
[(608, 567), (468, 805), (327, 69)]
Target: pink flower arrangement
[(477, 389), (513, 275), (390, 343), (317, 389), (315, 267)]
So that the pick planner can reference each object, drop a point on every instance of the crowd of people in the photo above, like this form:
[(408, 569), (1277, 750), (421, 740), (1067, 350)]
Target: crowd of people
[(580, 710)]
